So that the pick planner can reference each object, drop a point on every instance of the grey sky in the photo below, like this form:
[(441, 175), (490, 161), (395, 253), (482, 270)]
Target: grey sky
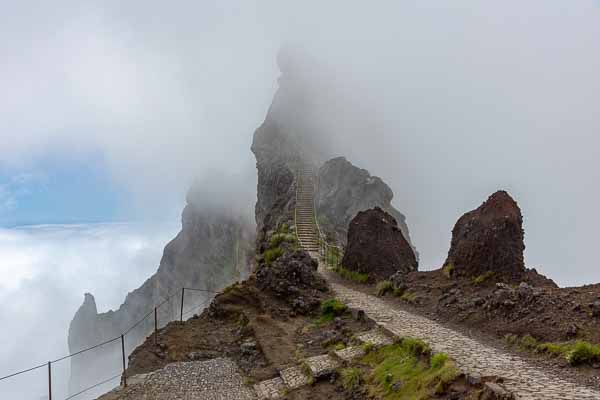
[(459, 98)]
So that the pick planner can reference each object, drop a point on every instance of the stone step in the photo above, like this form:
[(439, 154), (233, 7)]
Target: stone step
[(294, 378), (321, 366), (271, 389), (350, 354), (375, 337)]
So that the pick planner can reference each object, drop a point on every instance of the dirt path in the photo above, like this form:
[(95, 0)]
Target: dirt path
[(525, 380)]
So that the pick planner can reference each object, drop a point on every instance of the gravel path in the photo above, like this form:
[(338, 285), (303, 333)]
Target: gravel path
[(216, 379), (525, 380)]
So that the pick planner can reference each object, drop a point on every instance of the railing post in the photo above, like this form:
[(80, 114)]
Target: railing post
[(182, 298), (124, 364), (155, 325), (49, 380)]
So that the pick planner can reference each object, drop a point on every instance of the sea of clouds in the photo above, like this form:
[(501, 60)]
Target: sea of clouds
[(45, 271)]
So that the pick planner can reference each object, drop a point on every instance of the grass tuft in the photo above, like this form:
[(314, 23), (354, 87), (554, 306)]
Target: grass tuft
[(330, 309), (575, 353), (279, 238), (409, 297), (350, 378), (384, 287), (272, 255), (352, 275), (448, 270), (482, 278)]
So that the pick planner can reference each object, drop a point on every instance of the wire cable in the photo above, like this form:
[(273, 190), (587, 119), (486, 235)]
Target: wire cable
[(93, 387)]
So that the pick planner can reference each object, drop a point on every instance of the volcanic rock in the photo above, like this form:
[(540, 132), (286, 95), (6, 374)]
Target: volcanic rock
[(293, 278), (489, 239), (344, 191), (376, 246)]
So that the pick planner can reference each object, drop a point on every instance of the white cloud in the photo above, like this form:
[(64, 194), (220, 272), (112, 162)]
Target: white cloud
[(45, 271)]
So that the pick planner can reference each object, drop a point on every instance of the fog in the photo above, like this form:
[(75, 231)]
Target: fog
[(45, 271), (446, 101)]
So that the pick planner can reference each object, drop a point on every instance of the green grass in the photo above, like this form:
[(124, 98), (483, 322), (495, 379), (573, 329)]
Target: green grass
[(409, 297), (583, 353), (330, 309), (350, 378), (384, 287), (408, 363), (482, 278), (279, 238), (333, 256), (272, 255), (352, 275), (448, 270), (575, 353)]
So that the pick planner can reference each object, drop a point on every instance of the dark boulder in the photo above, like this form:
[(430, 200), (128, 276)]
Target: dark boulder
[(376, 246), (489, 239), (294, 278)]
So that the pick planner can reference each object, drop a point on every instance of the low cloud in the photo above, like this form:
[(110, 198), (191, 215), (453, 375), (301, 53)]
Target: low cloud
[(45, 271)]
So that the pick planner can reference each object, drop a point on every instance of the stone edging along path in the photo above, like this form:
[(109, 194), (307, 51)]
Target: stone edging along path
[(522, 379)]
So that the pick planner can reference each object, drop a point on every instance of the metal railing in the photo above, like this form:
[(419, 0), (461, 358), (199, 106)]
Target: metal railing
[(120, 338), (331, 254)]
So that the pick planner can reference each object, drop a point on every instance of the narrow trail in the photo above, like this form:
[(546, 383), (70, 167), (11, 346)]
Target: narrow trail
[(524, 380)]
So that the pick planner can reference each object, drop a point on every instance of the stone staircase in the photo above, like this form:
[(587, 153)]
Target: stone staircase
[(317, 367), (306, 227)]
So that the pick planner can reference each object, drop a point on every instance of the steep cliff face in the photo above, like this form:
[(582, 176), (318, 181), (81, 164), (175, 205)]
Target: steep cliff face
[(213, 249), (344, 191)]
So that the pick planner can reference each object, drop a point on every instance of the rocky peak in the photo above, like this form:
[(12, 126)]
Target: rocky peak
[(213, 249), (489, 239)]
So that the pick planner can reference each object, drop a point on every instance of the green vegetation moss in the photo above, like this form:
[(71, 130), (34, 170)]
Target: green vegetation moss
[(330, 309), (384, 287), (575, 353), (352, 275), (483, 278), (408, 363), (351, 378), (272, 255)]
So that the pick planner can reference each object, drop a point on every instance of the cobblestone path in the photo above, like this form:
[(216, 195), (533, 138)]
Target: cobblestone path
[(523, 379), (216, 379)]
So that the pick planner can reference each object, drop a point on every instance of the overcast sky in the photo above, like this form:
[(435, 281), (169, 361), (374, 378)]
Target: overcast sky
[(108, 109)]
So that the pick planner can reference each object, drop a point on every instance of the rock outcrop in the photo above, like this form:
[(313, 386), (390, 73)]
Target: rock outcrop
[(377, 247), (344, 191), (213, 249), (489, 239)]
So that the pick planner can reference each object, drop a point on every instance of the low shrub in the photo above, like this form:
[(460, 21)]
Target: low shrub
[(583, 353)]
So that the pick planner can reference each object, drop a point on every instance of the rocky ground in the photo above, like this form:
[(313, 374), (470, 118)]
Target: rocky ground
[(491, 310)]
